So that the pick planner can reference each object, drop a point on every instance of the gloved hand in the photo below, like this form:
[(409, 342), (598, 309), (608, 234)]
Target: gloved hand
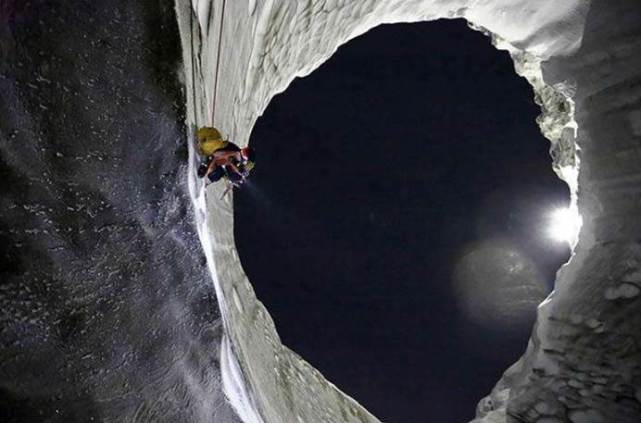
[(202, 170)]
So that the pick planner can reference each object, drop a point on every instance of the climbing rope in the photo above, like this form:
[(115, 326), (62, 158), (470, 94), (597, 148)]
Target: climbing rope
[(193, 75), (193, 65), (220, 39)]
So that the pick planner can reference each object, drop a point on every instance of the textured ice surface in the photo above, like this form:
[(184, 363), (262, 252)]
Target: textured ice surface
[(106, 308), (582, 59)]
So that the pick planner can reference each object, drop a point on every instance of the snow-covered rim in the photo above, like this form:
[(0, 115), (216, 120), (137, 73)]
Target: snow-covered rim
[(241, 384)]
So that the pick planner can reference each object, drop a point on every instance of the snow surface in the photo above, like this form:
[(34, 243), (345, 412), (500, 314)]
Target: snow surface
[(582, 362)]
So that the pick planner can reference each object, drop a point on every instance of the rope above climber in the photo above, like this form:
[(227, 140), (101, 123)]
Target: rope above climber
[(222, 159)]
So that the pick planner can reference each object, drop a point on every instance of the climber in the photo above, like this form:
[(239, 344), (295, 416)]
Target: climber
[(223, 158), (230, 162)]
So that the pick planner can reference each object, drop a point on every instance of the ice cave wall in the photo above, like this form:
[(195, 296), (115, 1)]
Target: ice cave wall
[(582, 363), (106, 307)]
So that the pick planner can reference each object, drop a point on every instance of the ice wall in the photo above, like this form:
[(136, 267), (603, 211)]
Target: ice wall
[(106, 308), (582, 362)]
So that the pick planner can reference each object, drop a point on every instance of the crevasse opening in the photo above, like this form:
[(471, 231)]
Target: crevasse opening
[(408, 159), (272, 43)]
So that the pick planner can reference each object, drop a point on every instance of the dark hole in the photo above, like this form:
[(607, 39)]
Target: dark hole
[(376, 175)]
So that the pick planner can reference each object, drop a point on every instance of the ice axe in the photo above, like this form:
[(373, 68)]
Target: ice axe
[(231, 185)]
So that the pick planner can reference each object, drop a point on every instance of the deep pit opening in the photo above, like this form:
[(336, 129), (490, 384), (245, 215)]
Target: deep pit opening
[(354, 255)]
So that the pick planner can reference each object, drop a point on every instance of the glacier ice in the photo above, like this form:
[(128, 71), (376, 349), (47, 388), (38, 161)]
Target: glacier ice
[(582, 59), (107, 312)]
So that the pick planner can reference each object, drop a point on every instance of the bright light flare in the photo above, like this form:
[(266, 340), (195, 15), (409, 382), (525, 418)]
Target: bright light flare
[(565, 224)]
